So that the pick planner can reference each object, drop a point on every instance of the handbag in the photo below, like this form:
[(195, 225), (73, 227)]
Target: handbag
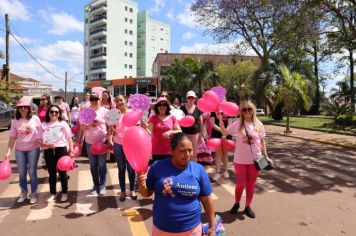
[(260, 162)]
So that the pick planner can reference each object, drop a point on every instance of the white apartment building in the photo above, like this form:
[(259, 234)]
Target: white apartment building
[(110, 36), (152, 37)]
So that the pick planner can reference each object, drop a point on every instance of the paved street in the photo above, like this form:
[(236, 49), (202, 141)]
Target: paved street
[(312, 192)]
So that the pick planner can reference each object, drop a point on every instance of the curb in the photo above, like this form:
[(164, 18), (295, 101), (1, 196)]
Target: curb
[(346, 145)]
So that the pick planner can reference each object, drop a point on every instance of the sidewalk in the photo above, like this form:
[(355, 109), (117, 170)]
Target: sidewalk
[(323, 137)]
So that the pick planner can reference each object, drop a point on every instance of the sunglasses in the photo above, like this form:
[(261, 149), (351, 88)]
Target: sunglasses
[(162, 105), (94, 99), (23, 107), (54, 112), (247, 109), (190, 97)]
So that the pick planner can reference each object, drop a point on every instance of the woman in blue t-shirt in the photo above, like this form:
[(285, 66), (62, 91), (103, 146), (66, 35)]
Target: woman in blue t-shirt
[(179, 186)]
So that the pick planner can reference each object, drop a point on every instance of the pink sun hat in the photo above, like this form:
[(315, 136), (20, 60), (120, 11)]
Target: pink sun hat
[(23, 102)]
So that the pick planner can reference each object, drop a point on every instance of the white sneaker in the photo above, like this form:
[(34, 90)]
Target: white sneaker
[(22, 197), (33, 199), (226, 174), (94, 192), (64, 197), (102, 191), (51, 198), (216, 177)]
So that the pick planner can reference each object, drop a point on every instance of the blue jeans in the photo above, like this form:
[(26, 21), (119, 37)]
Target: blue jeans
[(97, 168), (122, 163), (27, 161)]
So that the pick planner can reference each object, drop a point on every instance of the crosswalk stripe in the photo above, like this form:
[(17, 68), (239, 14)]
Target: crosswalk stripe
[(6, 200), (128, 208), (42, 210), (85, 204)]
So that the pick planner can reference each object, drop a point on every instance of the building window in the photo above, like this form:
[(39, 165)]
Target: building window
[(161, 49), (125, 31), (130, 32), (126, 66), (161, 39), (86, 21), (126, 8), (131, 21), (125, 42), (131, 43), (125, 19), (161, 29), (130, 54), (86, 77), (131, 10), (130, 66), (125, 54)]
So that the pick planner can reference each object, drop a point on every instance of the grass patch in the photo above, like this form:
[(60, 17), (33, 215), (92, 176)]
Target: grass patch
[(319, 124)]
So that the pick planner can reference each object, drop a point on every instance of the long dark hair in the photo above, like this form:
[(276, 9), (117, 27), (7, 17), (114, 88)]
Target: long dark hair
[(72, 103), (109, 97), (48, 119), (168, 110), (18, 114), (48, 98)]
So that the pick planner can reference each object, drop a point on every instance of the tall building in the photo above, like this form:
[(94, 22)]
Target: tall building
[(110, 36), (152, 37)]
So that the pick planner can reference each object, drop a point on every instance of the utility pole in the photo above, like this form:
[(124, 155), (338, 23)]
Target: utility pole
[(7, 27), (65, 87)]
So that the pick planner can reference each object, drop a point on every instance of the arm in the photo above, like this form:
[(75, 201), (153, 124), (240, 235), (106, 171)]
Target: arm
[(210, 213), (149, 128), (111, 135), (142, 188), (221, 124), (202, 128), (70, 142), (264, 151), (9, 147)]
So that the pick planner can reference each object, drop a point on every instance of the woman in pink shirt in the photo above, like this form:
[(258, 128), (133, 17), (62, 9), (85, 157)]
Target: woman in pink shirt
[(54, 137), (23, 131), (45, 103), (119, 154), (161, 127), (94, 133), (63, 106), (250, 143), (106, 100)]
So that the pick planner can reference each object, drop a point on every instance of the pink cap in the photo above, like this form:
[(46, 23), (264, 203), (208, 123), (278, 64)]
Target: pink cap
[(160, 99), (23, 102)]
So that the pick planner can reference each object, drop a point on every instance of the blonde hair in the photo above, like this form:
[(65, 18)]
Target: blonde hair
[(256, 121)]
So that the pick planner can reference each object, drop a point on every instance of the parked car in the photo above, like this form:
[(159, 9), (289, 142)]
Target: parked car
[(6, 115), (260, 112)]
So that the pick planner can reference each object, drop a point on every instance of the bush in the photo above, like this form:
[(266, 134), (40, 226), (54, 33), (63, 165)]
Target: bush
[(354, 121), (345, 120)]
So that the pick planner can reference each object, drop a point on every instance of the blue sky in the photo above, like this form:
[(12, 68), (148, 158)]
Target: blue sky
[(53, 32)]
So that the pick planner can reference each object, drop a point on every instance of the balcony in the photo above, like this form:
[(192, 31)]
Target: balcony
[(98, 69), (98, 56), (99, 8), (98, 32), (98, 20)]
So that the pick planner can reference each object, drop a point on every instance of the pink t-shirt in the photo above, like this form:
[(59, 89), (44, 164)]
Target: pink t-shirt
[(55, 133), (41, 113), (74, 114), (243, 154), (120, 129), (108, 106), (97, 133), (25, 131), (160, 145), (65, 110)]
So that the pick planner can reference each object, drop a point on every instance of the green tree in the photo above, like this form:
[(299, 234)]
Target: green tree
[(237, 79), (292, 89), (11, 95)]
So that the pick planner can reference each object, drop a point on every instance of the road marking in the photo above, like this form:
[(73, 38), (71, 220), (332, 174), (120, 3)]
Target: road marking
[(42, 210), (128, 208), (6, 198), (85, 204)]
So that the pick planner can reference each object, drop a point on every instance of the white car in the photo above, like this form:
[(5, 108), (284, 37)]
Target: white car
[(260, 112)]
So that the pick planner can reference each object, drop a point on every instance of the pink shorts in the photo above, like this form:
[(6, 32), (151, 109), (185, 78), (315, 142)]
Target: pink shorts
[(196, 231)]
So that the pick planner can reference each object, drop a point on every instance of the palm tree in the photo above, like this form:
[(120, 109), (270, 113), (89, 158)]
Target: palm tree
[(343, 93), (292, 88)]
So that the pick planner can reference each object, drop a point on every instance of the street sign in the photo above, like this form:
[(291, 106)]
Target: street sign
[(106, 83)]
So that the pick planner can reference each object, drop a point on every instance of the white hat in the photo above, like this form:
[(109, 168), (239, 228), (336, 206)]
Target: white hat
[(191, 94)]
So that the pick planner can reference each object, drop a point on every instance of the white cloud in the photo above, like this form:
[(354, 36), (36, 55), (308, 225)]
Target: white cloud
[(222, 49), (188, 35), (158, 5), (61, 22), (15, 8), (25, 41), (68, 51), (2, 41), (170, 14), (187, 18)]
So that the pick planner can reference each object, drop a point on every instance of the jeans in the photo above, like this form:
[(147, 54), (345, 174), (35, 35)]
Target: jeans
[(51, 157), (122, 163), (27, 161), (97, 168)]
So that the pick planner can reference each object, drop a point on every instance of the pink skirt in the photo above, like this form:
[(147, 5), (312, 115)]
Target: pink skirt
[(196, 231)]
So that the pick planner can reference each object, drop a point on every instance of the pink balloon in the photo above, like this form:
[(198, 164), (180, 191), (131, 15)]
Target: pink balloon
[(187, 121), (75, 128), (212, 98), (213, 143), (137, 147), (229, 108), (228, 144), (77, 149), (131, 118), (65, 163), (206, 106), (99, 148), (5, 170)]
